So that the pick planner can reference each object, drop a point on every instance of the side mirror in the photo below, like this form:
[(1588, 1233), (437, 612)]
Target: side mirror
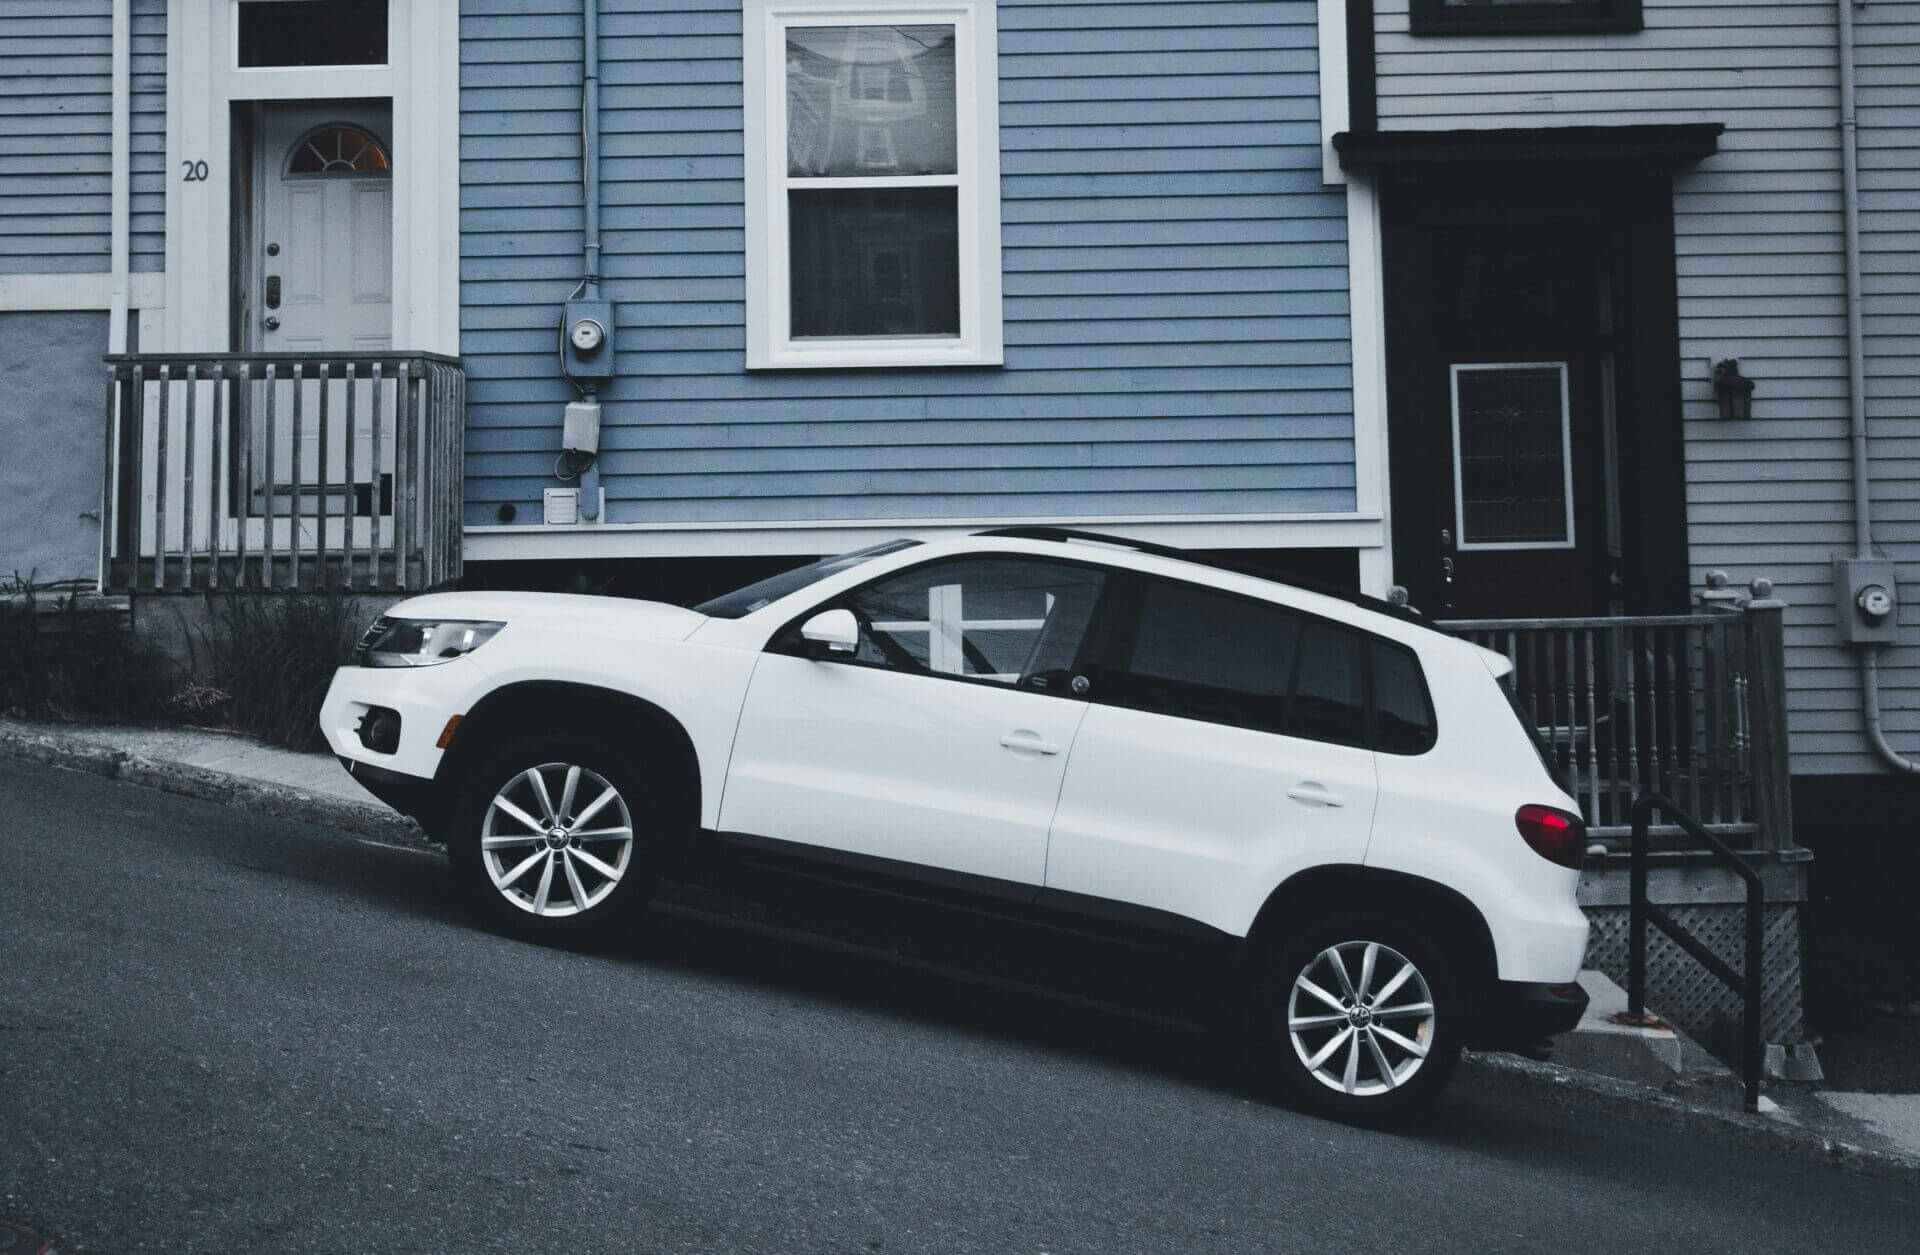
[(831, 632)]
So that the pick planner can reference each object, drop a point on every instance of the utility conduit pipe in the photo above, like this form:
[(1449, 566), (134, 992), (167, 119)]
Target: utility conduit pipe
[(1857, 376)]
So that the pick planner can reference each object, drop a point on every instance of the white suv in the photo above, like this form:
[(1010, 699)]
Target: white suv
[(1334, 802)]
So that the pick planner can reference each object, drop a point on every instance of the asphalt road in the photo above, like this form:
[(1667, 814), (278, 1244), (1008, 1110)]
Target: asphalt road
[(227, 1033)]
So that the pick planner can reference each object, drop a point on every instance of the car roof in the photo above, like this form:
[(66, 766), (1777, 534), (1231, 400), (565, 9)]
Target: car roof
[(1207, 563)]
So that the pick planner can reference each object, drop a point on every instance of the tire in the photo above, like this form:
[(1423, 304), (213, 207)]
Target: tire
[(600, 863), (1335, 1046)]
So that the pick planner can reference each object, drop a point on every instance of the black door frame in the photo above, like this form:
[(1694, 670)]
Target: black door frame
[(1630, 201)]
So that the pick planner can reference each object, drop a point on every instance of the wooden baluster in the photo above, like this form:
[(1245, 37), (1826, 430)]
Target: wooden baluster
[(324, 457), (376, 375), (352, 506), (217, 502), (268, 549)]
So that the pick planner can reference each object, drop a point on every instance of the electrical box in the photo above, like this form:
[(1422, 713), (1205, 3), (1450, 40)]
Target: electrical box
[(580, 431), (586, 339), (562, 506), (1866, 601)]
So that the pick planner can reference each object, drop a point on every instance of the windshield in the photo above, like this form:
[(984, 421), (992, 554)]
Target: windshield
[(744, 601)]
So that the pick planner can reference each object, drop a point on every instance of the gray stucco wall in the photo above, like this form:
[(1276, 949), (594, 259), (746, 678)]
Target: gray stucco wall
[(52, 399), (1759, 241)]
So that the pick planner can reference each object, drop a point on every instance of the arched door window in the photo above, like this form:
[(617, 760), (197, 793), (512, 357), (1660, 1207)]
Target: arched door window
[(338, 150)]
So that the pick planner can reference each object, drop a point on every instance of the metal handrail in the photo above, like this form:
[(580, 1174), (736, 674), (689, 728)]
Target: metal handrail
[(1749, 984)]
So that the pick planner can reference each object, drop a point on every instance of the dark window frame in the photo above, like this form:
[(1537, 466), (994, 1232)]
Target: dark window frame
[(1436, 17), (787, 641)]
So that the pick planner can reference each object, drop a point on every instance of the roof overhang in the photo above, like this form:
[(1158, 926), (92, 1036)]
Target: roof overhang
[(1665, 144)]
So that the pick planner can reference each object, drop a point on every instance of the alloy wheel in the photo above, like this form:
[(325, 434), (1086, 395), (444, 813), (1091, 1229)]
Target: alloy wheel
[(557, 839), (1361, 1018)]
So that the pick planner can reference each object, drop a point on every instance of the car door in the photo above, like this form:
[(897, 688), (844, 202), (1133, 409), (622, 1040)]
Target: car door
[(940, 742), (1225, 747)]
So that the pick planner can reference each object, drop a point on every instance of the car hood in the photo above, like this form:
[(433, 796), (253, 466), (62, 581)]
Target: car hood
[(559, 610)]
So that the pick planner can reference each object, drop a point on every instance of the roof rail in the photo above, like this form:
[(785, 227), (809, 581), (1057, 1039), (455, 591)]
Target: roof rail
[(1375, 604)]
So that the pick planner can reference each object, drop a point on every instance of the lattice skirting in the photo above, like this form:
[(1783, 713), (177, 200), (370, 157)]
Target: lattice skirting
[(1688, 996)]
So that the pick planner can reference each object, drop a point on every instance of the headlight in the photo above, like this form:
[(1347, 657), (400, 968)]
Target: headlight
[(422, 642)]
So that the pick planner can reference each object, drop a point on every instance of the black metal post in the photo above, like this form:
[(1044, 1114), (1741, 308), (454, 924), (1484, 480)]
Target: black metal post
[(1637, 911)]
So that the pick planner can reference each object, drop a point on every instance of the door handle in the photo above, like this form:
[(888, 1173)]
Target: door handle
[(273, 322), (1030, 741), (1314, 793)]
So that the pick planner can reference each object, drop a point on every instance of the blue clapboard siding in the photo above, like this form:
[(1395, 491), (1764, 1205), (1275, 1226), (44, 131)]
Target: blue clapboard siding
[(56, 120), (1177, 338)]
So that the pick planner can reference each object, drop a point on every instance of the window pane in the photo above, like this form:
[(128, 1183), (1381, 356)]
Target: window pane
[(339, 151), (1326, 701), (1510, 425), (870, 100), (988, 618), (879, 262), (1202, 655), (313, 32), (1402, 720)]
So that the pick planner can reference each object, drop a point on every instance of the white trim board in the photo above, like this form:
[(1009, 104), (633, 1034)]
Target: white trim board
[(48, 293), (976, 181), (1461, 540), (1335, 103), (494, 542), (423, 82)]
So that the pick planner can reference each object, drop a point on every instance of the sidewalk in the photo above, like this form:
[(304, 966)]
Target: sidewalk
[(1654, 1077)]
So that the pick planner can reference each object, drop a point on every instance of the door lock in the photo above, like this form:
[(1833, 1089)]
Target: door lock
[(273, 291)]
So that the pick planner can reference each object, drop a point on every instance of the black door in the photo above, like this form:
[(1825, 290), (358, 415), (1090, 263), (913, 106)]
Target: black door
[(1519, 401)]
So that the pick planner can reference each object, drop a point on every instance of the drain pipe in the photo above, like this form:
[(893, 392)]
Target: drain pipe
[(590, 195), (1857, 382), (590, 144), (120, 185)]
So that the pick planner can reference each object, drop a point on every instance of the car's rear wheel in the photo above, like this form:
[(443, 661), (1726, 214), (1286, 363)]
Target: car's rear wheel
[(555, 838), (1359, 1018)]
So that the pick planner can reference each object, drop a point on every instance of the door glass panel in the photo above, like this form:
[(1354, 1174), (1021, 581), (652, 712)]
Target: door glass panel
[(1007, 620), (870, 100), (1513, 470), (1203, 655)]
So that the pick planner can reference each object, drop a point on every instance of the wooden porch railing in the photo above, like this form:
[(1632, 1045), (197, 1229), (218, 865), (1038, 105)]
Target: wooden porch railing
[(1690, 706), (282, 470)]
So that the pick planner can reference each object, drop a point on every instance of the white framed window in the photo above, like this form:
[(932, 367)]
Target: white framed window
[(873, 184)]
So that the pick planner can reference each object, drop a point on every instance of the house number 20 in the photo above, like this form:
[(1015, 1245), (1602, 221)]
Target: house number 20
[(196, 171)]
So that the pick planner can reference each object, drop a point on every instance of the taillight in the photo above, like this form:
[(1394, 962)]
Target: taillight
[(1554, 834)]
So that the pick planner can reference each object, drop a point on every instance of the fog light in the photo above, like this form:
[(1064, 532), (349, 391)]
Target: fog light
[(380, 730)]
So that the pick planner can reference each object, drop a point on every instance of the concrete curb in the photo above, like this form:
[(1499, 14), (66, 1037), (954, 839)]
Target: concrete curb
[(368, 819), (1501, 1075), (1512, 1076)]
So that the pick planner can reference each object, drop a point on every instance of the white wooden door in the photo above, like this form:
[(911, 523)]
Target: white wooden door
[(325, 285)]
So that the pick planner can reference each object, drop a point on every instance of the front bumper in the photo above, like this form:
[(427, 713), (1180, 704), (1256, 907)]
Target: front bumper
[(1523, 1013), (424, 698), (410, 795)]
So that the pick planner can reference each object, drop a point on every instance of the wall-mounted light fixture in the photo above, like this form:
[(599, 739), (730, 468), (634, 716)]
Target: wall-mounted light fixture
[(1734, 392)]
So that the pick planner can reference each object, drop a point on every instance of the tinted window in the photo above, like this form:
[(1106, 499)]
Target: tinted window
[(1010, 620), (1329, 701), (1204, 655), (313, 32), (1402, 714)]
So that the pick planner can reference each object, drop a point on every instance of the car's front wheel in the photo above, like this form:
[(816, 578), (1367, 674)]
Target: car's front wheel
[(1359, 1018), (554, 838)]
